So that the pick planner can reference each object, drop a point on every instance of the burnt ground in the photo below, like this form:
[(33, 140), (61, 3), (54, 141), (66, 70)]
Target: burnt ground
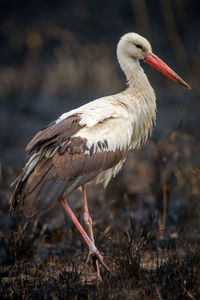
[(54, 57)]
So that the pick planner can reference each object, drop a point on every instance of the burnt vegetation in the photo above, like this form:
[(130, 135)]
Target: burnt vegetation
[(147, 223)]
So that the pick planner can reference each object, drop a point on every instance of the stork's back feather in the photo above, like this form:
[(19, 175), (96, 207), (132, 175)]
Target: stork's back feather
[(54, 134)]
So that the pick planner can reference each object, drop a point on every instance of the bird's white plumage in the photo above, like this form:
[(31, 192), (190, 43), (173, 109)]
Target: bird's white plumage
[(123, 120)]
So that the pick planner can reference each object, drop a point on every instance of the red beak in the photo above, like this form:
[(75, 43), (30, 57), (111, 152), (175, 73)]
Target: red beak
[(158, 64)]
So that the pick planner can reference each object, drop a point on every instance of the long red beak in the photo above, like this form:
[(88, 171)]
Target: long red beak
[(158, 64)]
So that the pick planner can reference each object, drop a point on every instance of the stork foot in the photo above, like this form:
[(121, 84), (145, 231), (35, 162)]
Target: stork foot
[(88, 221), (95, 255), (93, 251)]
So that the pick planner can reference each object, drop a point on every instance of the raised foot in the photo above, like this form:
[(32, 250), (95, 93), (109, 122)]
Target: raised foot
[(94, 253), (89, 240)]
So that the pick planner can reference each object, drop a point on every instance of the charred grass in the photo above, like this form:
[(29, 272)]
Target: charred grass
[(140, 268), (43, 258)]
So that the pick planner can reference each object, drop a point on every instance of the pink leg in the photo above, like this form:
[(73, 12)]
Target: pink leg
[(87, 218), (92, 247), (88, 222)]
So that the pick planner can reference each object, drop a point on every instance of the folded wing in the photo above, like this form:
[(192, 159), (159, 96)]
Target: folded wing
[(61, 161)]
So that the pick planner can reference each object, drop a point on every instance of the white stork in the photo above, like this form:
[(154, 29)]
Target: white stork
[(90, 143)]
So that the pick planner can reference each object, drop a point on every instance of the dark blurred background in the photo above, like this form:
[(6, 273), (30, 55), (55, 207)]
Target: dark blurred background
[(56, 55)]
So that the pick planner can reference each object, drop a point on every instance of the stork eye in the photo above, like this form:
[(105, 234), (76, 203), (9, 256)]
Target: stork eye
[(139, 46)]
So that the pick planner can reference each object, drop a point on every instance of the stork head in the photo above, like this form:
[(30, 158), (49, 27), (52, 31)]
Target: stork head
[(135, 47)]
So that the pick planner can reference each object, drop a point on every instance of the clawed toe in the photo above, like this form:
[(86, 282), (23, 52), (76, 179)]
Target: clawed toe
[(95, 254)]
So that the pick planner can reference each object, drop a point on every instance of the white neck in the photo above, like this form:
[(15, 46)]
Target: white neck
[(136, 78), (143, 100)]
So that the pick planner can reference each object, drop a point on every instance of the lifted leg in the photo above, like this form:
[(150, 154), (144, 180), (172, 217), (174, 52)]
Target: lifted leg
[(92, 247), (88, 222)]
